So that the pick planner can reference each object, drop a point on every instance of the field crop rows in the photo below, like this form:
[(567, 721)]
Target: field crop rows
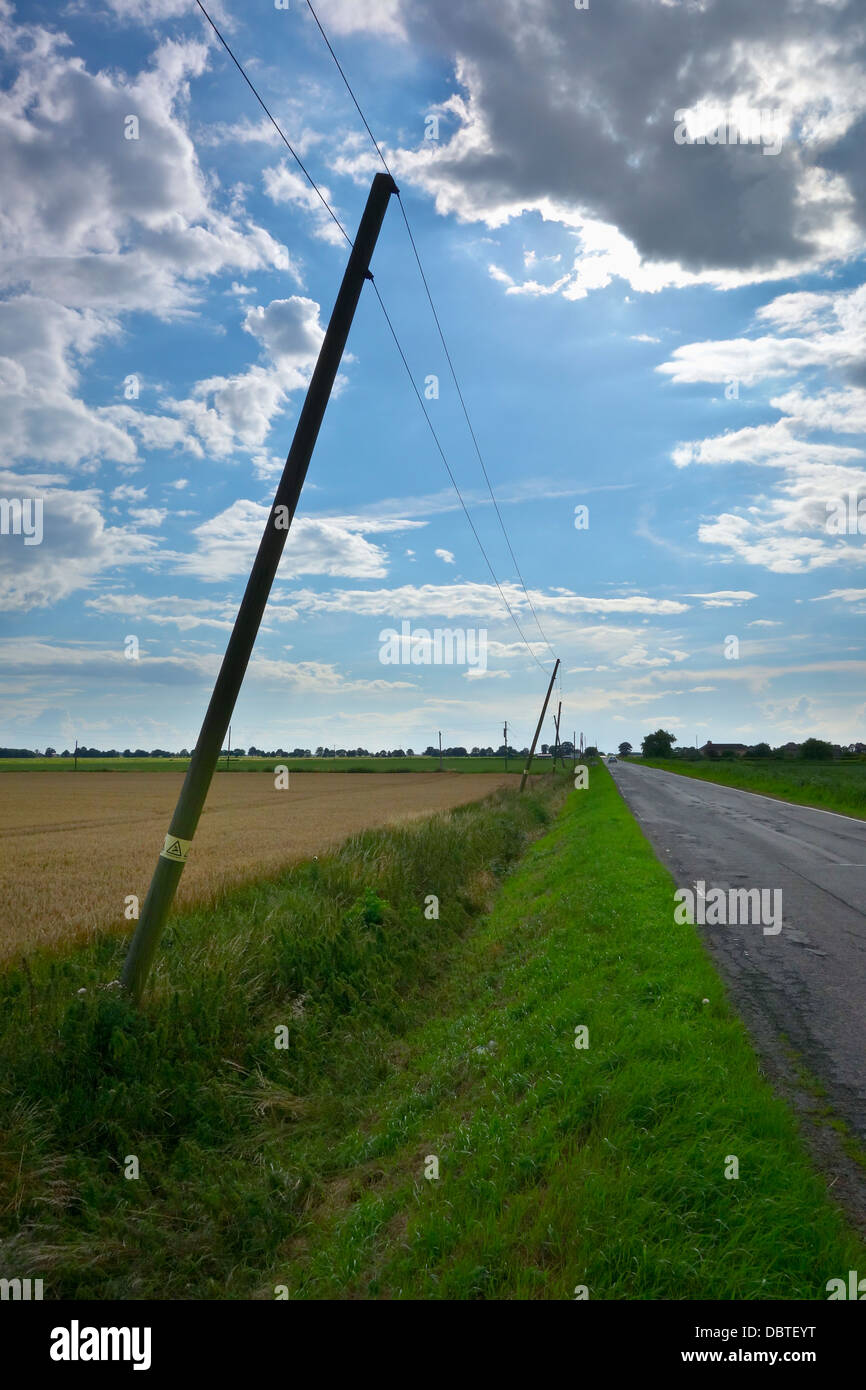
[(419, 764), (75, 847)]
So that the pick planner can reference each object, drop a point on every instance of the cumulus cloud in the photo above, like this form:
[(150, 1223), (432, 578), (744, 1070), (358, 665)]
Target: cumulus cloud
[(227, 543), (469, 600), (76, 545), (789, 527), (592, 145), (101, 225), (53, 662)]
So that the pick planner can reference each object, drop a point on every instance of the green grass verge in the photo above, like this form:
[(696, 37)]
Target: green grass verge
[(831, 786), (408, 1038), (419, 764), (337, 949)]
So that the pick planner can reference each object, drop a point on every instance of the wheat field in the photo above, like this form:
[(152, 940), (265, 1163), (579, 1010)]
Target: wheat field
[(75, 846)]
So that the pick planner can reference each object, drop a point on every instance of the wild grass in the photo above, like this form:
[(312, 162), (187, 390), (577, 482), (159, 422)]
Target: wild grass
[(338, 950), (75, 850), (303, 1170)]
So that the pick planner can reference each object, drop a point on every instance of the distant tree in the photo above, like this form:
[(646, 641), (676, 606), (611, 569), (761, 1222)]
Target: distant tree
[(658, 745), (319, 751), (591, 751), (410, 752), (624, 750), (759, 750), (545, 747), (816, 748)]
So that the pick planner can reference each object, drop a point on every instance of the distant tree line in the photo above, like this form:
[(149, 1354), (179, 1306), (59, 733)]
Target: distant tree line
[(660, 745), (255, 752)]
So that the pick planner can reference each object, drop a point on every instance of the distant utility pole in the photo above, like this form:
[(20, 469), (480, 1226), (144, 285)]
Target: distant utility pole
[(172, 856), (229, 751), (573, 751), (538, 727), (75, 766), (556, 745), (440, 750), (505, 737)]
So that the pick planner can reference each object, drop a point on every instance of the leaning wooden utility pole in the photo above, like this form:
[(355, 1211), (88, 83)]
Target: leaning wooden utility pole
[(556, 720), (172, 856), (538, 727)]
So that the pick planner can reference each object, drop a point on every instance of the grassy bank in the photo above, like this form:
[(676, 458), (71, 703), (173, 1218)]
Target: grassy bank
[(831, 786), (412, 1039), (231, 1134)]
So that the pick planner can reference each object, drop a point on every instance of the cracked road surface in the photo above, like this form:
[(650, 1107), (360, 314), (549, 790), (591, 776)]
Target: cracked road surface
[(808, 984)]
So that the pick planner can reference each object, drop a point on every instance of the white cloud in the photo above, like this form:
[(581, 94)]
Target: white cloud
[(76, 547), (226, 544), (592, 147), (149, 516), (725, 598), (101, 225), (787, 531), (284, 185), (470, 600)]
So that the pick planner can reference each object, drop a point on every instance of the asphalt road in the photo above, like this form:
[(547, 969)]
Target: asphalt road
[(808, 983)]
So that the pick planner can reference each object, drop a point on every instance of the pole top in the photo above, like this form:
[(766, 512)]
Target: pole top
[(382, 178)]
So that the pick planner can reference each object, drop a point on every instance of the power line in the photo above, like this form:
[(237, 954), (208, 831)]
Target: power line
[(293, 152), (438, 323), (393, 331), (451, 476)]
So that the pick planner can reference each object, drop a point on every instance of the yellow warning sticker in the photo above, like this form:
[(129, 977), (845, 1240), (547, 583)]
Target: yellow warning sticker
[(175, 849)]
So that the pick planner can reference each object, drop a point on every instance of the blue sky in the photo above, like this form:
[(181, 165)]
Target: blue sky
[(670, 334)]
